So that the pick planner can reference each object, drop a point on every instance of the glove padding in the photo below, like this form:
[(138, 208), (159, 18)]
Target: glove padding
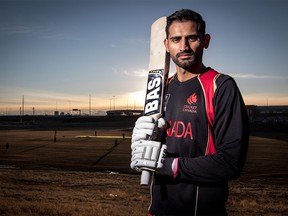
[(147, 155), (147, 128)]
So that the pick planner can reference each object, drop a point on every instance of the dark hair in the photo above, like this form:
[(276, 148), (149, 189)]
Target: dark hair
[(186, 15)]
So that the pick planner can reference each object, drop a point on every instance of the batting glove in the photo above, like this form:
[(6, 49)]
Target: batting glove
[(147, 155), (147, 128)]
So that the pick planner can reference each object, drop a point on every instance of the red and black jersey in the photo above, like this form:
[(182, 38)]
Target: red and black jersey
[(208, 132)]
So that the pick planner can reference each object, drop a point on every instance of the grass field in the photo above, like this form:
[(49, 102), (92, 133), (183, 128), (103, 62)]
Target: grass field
[(77, 173)]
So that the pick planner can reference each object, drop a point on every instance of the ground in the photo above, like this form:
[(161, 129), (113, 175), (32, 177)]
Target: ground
[(74, 172)]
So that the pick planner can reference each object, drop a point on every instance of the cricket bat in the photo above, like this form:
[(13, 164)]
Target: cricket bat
[(159, 64)]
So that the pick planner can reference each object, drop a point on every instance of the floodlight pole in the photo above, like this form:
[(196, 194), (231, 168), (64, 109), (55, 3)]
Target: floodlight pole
[(89, 104)]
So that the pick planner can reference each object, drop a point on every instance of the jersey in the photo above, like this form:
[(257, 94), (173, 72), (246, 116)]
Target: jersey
[(208, 133)]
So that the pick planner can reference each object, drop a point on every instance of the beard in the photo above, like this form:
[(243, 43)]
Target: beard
[(185, 64)]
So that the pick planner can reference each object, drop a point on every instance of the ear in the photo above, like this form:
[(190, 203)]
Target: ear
[(207, 41), (166, 45)]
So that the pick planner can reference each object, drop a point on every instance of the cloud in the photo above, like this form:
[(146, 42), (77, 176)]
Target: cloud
[(254, 76), (131, 73), (136, 73), (35, 96), (136, 41), (38, 31), (59, 37), (113, 45), (11, 30)]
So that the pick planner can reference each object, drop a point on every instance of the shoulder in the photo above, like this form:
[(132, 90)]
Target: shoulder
[(223, 83), (226, 88), (219, 79), (214, 79), (226, 81), (217, 76)]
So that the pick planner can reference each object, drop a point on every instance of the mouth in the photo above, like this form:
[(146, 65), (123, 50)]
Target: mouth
[(185, 56)]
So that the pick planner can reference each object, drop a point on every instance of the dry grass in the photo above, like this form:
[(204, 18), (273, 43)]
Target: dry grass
[(258, 197), (74, 176), (69, 193)]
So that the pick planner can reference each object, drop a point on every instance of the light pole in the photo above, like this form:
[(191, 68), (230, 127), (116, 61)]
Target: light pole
[(114, 102)]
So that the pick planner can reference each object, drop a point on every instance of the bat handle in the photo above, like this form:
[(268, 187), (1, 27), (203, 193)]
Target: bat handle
[(146, 175), (145, 178)]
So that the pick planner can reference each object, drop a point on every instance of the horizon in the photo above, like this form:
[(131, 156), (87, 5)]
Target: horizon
[(85, 111)]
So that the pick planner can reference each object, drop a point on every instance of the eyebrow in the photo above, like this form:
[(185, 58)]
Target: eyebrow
[(188, 36)]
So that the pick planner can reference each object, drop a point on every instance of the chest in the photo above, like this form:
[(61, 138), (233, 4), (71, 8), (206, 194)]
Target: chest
[(185, 102), (186, 116)]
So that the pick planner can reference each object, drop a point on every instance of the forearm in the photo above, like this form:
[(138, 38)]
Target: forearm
[(217, 167), (211, 168)]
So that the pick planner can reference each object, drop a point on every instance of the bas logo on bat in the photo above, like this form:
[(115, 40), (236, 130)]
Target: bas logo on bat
[(154, 92)]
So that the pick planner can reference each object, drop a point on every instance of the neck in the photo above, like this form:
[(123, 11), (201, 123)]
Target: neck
[(184, 75)]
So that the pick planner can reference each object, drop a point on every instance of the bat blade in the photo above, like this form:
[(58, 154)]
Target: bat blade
[(157, 78)]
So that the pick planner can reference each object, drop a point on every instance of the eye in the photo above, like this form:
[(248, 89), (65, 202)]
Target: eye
[(175, 39), (193, 38)]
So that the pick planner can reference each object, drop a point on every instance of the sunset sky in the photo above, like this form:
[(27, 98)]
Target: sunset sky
[(59, 53)]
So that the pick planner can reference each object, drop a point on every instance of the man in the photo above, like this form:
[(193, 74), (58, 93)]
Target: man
[(206, 129)]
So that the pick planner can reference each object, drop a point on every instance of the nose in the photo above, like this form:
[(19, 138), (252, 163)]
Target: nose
[(184, 45)]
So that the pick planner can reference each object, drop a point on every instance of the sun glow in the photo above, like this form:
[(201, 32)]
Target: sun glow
[(48, 102)]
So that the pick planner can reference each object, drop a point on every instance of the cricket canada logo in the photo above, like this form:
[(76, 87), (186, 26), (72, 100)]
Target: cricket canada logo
[(192, 104), (192, 99)]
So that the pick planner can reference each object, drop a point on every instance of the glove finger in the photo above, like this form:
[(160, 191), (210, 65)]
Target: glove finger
[(151, 153), (145, 125), (141, 133), (147, 154), (146, 131), (144, 163), (135, 144), (133, 165), (154, 154), (145, 143), (161, 123), (140, 169), (137, 147), (138, 137), (147, 119), (137, 156), (150, 143)]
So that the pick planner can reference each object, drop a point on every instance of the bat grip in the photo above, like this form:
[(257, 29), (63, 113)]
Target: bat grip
[(146, 175), (145, 178)]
